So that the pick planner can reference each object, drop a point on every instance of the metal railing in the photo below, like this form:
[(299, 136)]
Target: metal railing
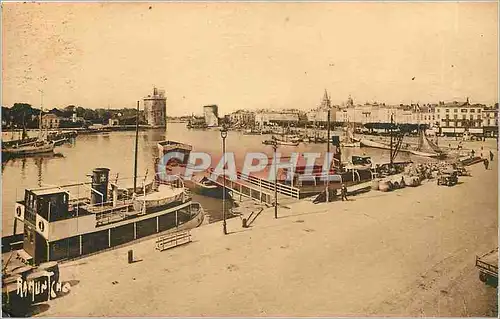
[(283, 189)]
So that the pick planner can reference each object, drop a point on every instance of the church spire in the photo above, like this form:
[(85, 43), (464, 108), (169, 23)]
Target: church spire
[(325, 103)]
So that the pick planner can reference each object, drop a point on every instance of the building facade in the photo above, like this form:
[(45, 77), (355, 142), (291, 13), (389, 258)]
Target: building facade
[(490, 120), (242, 118), (457, 117), (211, 114), (265, 118), (319, 115), (155, 109), (50, 121)]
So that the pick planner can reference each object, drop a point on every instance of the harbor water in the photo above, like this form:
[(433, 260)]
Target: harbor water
[(115, 150)]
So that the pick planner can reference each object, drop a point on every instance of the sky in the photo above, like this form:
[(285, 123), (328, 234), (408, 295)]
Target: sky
[(248, 55)]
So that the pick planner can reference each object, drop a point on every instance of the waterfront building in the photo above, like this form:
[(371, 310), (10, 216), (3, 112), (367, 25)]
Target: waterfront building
[(490, 120), (381, 113), (242, 118), (457, 117), (155, 108), (113, 122), (265, 118), (319, 115), (50, 121), (211, 114)]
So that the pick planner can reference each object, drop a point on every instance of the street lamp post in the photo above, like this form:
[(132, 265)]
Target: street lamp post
[(327, 188), (275, 147), (223, 134)]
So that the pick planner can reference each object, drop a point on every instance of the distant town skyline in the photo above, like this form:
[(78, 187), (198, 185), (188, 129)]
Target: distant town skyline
[(248, 55)]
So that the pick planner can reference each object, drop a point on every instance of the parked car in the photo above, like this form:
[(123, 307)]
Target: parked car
[(448, 178)]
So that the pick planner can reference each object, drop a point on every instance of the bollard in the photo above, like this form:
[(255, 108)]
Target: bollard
[(244, 223), (130, 256)]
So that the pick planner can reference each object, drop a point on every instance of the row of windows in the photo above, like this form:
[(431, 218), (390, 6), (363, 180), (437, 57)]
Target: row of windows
[(462, 110), (471, 117), (458, 124), (491, 115)]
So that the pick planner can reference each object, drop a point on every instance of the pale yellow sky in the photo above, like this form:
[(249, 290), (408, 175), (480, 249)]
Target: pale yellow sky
[(248, 55)]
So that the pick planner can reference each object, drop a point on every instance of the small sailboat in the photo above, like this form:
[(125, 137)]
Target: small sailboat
[(281, 141), (39, 146), (427, 148)]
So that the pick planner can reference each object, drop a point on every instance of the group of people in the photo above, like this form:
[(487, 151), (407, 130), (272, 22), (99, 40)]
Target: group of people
[(486, 162)]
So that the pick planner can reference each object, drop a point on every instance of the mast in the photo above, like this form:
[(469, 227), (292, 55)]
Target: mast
[(327, 192), (354, 122), (392, 121), (136, 145), (40, 118), (24, 134)]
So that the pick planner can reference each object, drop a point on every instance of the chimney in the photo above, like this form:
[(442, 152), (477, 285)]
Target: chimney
[(467, 100)]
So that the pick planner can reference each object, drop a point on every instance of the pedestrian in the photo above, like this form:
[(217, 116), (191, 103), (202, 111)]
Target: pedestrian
[(486, 163), (344, 192), (472, 153), (491, 156), (402, 183)]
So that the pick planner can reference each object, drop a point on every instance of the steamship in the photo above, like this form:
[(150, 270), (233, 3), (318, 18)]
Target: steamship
[(59, 224)]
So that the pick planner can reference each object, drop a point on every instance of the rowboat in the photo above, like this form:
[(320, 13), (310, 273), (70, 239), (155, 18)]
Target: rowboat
[(352, 144), (201, 184), (164, 196)]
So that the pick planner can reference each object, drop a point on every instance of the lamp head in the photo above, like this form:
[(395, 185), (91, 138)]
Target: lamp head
[(223, 131)]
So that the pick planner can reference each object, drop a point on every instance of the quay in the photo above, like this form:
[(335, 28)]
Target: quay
[(404, 253)]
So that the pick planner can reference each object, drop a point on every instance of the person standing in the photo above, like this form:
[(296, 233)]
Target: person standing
[(486, 163), (491, 156), (344, 192)]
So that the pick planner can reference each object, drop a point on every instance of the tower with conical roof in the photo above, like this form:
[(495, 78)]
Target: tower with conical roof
[(325, 103)]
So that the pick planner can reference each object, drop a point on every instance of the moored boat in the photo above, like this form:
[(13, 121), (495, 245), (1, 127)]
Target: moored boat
[(65, 222), (39, 147), (202, 185), (164, 195)]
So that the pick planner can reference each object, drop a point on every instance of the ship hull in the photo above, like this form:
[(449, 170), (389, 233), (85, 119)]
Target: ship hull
[(214, 192), (115, 235), (426, 154), (28, 150), (369, 143)]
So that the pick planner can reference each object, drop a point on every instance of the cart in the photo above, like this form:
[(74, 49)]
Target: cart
[(488, 267)]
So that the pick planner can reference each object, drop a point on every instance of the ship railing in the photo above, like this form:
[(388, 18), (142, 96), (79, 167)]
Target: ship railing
[(110, 217), (173, 180), (109, 205)]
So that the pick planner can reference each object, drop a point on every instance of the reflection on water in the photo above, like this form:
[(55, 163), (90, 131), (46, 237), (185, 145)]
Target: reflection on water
[(115, 150)]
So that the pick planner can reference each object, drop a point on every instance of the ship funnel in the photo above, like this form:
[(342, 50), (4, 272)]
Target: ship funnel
[(100, 178)]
